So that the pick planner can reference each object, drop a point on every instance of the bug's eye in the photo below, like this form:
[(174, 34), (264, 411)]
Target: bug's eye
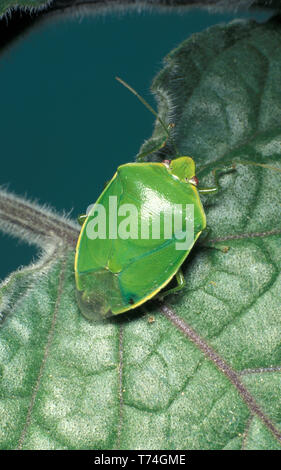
[(193, 180), (167, 163)]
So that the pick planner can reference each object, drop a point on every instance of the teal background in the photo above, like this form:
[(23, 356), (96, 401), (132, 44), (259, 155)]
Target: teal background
[(65, 123)]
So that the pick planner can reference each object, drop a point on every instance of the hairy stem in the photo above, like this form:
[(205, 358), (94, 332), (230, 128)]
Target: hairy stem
[(33, 223), (18, 20)]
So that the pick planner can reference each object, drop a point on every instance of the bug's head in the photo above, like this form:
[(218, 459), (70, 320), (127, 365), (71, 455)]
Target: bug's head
[(183, 168)]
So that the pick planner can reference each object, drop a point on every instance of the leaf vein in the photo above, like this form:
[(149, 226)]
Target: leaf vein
[(222, 365)]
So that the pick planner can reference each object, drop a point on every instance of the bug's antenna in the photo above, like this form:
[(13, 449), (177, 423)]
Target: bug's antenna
[(147, 105), (263, 165)]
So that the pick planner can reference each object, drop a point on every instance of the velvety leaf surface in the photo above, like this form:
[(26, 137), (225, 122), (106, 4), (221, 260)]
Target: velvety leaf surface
[(203, 370)]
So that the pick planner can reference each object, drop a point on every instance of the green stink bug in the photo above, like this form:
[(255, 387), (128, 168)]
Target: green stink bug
[(117, 269), (118, 274)]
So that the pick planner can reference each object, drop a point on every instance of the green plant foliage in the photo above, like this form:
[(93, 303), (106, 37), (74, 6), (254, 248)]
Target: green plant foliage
[(204, 370)]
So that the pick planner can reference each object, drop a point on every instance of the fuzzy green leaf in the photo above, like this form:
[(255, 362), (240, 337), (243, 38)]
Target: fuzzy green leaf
[(202, 371)]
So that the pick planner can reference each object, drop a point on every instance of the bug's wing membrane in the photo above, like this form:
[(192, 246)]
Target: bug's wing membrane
[(99, 294), (115, 275)]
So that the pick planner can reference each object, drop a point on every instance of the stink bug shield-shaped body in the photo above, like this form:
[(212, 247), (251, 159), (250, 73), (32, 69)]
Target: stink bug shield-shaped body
[(116, 274)]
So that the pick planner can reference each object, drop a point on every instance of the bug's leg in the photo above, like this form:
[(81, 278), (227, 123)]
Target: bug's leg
[(205, 234), (261, 165), (205, 241), (180, 284), (216, 246), (231, 167), (215, 173), (81, 219), (153, 149)]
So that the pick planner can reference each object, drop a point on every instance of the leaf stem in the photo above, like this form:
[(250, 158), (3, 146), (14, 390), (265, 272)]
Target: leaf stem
[(36, 225)]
